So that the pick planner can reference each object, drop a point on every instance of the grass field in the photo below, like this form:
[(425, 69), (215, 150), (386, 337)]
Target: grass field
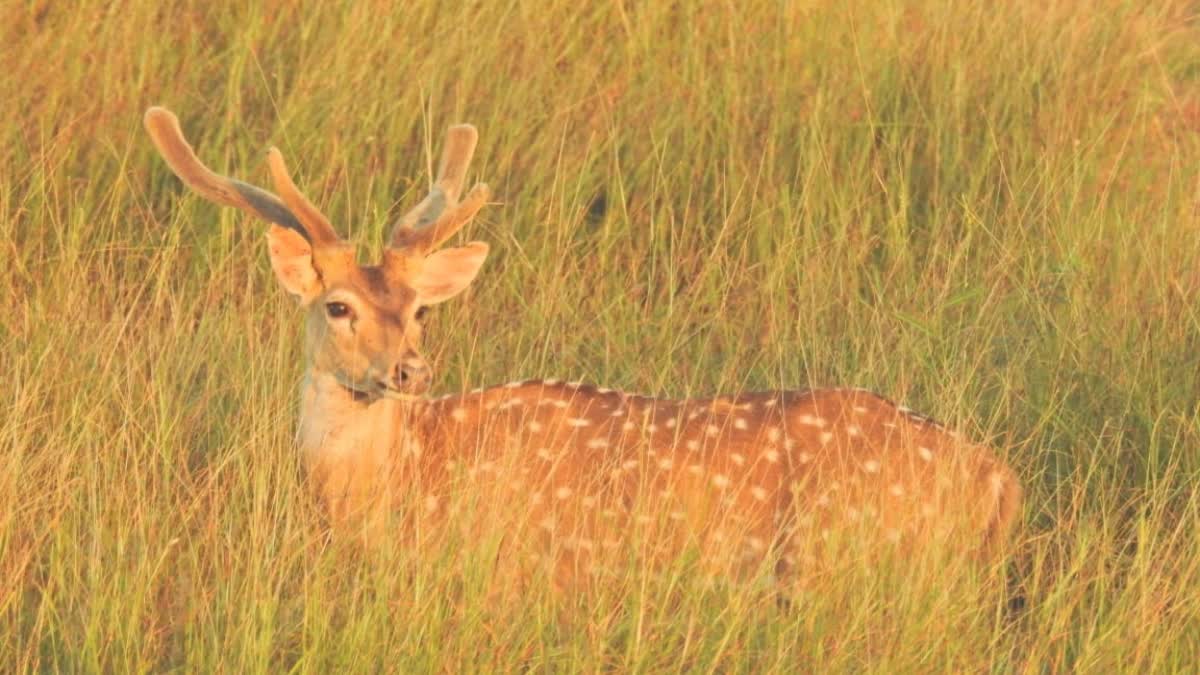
[(985, 210)]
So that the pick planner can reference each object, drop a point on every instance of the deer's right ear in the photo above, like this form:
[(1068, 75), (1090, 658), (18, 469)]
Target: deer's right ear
[(291, 258)]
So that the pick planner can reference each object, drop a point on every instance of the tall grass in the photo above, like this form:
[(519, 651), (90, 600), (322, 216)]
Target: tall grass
[(986, 210)]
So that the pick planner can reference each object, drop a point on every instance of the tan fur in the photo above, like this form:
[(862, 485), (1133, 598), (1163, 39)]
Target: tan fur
[(574, 476), (743, 478)]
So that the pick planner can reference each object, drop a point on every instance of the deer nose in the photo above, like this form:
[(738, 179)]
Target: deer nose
[(411, 375)]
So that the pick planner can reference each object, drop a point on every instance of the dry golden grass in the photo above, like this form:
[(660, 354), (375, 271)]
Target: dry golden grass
[(988, 211)]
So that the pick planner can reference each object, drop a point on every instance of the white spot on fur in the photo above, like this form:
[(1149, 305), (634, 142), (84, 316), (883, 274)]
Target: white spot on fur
[(720, 481), (740, 423), (597, 443), (563, 493), (773, 434), (712, 430), (871, 466), (618, 412), (629, 464), (578, 422), (535, 426), (853, 431), (804, 458), (514, 384), (896, 490), (558, 403), (545, 454), (696, 469), (737, 459), (825, 437), (771, 456), (693, 445), (925, 453), (458, 414), (756, 544), (670, 423), (666, 464), (997, 481), (759, 493), (811, 421)]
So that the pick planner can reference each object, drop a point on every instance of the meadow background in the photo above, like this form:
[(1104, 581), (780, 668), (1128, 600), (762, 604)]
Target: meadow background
[(985, 210)]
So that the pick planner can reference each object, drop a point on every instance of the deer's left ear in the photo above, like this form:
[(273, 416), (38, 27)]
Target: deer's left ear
[(446, 273)]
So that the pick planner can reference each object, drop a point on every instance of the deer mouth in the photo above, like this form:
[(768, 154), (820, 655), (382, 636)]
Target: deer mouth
[(396, 395)]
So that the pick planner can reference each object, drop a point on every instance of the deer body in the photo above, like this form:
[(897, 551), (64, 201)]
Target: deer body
[(761, 476), (574, 475)]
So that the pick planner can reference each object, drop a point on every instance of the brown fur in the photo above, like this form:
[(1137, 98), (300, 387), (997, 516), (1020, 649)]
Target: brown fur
[(769, 476)]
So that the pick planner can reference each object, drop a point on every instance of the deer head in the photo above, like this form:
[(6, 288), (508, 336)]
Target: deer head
[(363, 321)]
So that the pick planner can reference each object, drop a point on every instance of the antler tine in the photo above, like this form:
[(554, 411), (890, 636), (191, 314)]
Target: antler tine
[(316, 222), (165, 132), (440, 215), (456, 158)]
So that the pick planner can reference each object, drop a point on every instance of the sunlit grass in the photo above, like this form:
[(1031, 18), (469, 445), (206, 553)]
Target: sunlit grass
[(987, 211)]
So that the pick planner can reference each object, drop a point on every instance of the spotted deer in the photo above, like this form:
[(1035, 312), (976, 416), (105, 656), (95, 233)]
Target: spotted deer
[(583, 472)]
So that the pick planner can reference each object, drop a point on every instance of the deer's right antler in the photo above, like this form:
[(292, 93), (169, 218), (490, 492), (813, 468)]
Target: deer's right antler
[(294, 212)]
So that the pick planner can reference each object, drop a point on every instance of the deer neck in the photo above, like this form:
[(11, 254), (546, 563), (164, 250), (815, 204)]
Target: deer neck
[(339, 424)]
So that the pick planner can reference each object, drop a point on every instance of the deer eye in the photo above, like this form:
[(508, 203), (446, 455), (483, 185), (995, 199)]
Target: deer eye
[(421, 312), (337, 310)]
